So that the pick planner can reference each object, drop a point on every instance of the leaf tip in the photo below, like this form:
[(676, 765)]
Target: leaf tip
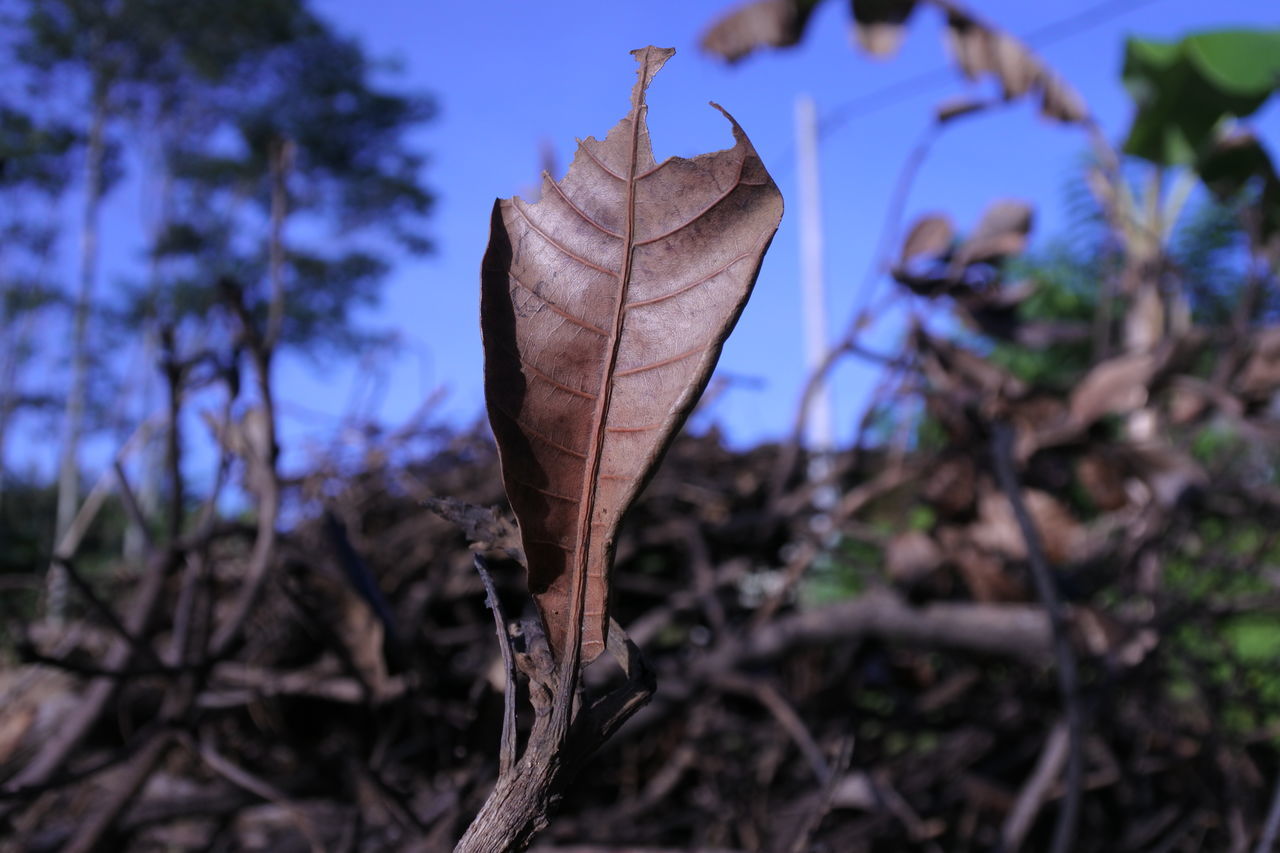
[(651, 59), (739, 134)]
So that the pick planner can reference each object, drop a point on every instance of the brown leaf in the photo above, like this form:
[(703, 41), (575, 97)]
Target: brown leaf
[(485, 528), (955, 370), (1191, 398), (1060, 100), (764, 23), (931, 235), (1015, 66), (1138, 472), (1167, 472), (604, 309), (912, 556), (980, 49), (970, 42), (994, 309), (1116, 386), (1260, 376), (1102, 479), (879, 25), (951, 485), (997, 530), (983, 573), (954, 108), (1144, 322), (1002, 231), (1034, 417)]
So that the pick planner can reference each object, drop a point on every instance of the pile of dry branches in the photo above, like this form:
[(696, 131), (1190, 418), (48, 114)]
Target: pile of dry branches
[(1024, 622), (360, 709)]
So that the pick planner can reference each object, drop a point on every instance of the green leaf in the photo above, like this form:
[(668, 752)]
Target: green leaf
[(1244, 63), (1184, 90)]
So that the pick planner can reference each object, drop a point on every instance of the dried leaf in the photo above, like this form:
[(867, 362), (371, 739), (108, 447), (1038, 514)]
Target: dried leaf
[(764, 23), (362, 633), (604, 309), (954, 108), (1034, 417), (1002, 231), (1167, 472), (956, 370), (983, 573), (1260, 377), (1102, 479), (1015, 66), (1144, 322), (979, 50), (969, 41), (1187, 403), (931, 235), (879, 25), (912, 556), (1060, 100), (994, 310), (997, 530), (485, 528), (1113, 387), (34, 704), (951, 485)]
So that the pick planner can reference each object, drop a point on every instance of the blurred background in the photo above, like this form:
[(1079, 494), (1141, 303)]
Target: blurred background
[(1013, 353)]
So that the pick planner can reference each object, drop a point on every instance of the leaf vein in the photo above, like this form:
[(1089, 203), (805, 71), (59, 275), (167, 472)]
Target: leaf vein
[(552, 544), (552, 381), (737, 182), (583, 214), (528, 430), (642, 428), (582, 146), (663, 363), (551, 494), (664, 297), (577, 321), (569, 253)]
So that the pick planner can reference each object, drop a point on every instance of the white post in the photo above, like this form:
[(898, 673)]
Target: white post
[(820, 428)]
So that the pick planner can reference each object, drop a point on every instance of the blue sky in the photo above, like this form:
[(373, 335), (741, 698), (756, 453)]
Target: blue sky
[(512, 77)]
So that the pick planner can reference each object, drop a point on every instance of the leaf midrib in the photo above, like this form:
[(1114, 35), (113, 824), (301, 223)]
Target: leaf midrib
[(591, 470)]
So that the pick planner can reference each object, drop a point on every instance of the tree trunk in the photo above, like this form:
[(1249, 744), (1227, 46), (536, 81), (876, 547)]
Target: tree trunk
[(69, 466)]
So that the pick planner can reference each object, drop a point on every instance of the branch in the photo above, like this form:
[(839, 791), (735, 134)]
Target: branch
[(1064, 655), (1048, 767), (101, 691), (1011, 631), (128, 781), (518, 806), (507, 756), (1267, 841), (1003, 630), (265, 476)]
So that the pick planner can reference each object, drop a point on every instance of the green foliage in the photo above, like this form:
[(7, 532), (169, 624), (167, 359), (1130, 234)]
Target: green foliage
[(841, 572), (33, 155), (349, 172), (1066, 291), (1185, 89), (26, 528), (1207, 250), (921, 517), (219, 85), (333, 287), (1240, 658), (1255, 638)]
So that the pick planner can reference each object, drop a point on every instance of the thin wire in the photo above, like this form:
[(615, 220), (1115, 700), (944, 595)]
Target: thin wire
[(1047, 34)]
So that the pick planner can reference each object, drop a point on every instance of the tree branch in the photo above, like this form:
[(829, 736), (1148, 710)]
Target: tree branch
[(1002, 455)]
